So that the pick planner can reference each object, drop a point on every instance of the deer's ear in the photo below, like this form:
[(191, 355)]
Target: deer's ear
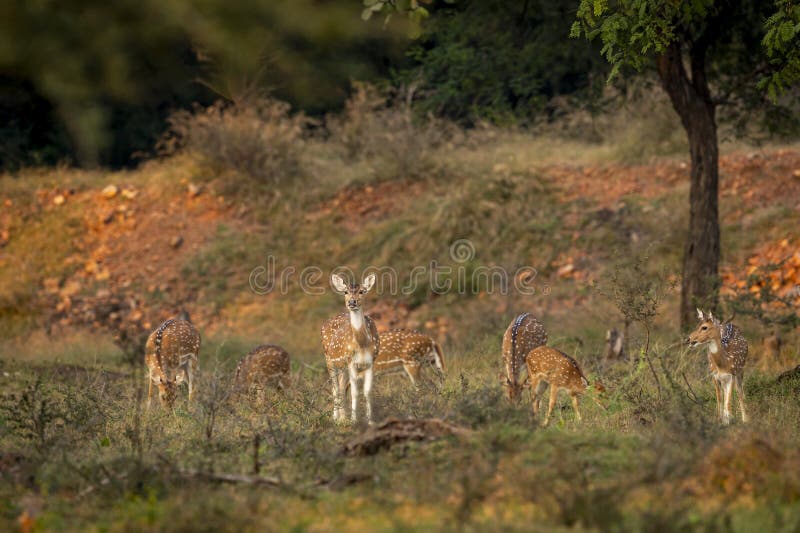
[(700, 314), (368, 282), (338, 283), (712, 319)]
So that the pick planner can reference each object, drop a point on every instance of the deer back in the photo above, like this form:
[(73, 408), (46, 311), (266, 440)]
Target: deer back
[(404, 346), (735, 347), (556, 367), (523, 335), (262, 364), (173, 344)]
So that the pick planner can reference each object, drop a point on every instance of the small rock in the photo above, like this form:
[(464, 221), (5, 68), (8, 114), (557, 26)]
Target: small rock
[(70, 289), (565, 270), (51, 285), (129, 194), (501, 168), (110, 191), (796, 173), (59, 199), (194, 190), (176, 241)]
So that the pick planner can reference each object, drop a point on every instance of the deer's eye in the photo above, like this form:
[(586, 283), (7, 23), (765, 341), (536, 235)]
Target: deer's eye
[(362, 291), (704, 327)]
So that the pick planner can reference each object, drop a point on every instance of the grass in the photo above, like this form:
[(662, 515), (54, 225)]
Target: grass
[(78, 451), (103, 460)]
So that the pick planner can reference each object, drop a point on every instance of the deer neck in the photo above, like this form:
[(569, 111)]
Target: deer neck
[(358, 324), (716, 350)]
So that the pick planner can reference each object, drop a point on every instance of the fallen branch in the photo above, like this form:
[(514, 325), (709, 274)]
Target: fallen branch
[(230, 478), (393, 431), (789, 375)]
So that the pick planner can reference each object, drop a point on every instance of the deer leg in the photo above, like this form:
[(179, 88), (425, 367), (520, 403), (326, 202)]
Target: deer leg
[(551, 403), (338, 396), (368, 394), (538, 387), (412, 371), (727, 385), (575, 405), (189, 379), (149, 388), (740, 394), (353, 392), (718, 394)]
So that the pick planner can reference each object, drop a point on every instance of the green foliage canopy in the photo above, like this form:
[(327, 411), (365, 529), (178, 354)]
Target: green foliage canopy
[(500, 61), (105, 68)]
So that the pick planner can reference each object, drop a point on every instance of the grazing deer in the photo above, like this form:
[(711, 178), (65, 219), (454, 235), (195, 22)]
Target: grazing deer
[(408, 350), (265, 365), (727, 354), (171, 357), (523, 335), (548, 366), (350, 341)]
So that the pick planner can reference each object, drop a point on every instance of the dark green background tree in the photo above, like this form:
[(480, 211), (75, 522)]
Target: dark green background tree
[(92, 81), (706, 54)]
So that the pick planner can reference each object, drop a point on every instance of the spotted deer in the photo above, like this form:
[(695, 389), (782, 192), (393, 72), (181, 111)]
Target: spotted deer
[(548, 366), (523, 335), (264, 366), (171, 356), (727, 354), (350, 341), (406, 350)]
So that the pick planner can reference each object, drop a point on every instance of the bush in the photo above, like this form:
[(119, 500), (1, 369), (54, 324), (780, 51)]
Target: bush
[(382, 126), (257, 138)]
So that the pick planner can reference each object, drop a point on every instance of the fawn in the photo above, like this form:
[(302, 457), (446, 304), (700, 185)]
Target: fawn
[(171, 357), (523, 334), (265, 365), (547, 365), (408, 350), (727, 354), (350, 341)]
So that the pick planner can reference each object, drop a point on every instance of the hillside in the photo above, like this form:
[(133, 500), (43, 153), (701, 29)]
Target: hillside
[(92, 261), (125, 250)]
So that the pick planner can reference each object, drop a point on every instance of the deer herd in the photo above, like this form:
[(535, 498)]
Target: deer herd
[(355, 353)]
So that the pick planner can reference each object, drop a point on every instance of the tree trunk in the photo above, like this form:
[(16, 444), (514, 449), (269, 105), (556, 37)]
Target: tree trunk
[(692, 100)]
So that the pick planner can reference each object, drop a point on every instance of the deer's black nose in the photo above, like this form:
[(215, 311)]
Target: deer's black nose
[(351, 302)]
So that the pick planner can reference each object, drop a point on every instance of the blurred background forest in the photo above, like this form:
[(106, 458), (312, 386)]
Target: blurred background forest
[(156, 154), (90, 82)]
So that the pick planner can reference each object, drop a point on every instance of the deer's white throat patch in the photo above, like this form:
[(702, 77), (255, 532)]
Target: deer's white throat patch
[(357, 319), (712, 347)]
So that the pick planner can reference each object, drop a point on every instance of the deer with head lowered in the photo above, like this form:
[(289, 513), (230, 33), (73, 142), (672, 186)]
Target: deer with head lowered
[(727, 354), (548, 366), (523, 335), (171, 357), (350, 341), (264, 366), (409, 351)]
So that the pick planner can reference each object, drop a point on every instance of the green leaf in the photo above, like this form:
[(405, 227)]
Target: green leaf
[(366, 14)]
